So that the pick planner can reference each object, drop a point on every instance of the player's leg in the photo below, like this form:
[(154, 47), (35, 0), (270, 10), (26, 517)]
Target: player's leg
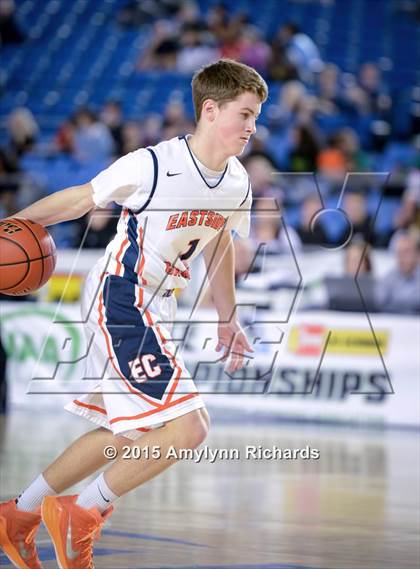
[(20, 519), (83, 516), (187, 431), (82, 458)]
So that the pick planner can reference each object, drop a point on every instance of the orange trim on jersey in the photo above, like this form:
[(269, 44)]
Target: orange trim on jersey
[(141, 253), (153, 411), (100, 410), (112, 358), (91, 407), (141, 298), (174, 363), (148, 317), (123, 244), (158, 407), (162, 343)]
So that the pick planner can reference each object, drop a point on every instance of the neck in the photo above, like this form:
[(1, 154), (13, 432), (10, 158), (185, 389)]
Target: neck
[(208, 151)]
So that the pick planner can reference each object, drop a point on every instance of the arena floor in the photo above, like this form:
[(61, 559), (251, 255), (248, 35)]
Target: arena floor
[(357, 506)]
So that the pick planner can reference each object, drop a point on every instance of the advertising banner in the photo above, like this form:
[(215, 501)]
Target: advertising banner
[(327, 366)]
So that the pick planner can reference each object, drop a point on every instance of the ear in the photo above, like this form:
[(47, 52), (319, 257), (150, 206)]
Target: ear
[(209, 110)]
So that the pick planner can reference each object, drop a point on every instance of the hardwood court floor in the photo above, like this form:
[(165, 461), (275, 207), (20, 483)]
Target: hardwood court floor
[(355, 507)]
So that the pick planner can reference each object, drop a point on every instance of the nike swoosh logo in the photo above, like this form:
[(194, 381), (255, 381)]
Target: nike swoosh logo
[(24, 553), (70, 552), (170, 174), (103, 495)]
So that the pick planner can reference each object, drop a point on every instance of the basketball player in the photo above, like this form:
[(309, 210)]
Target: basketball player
[(179, 198)]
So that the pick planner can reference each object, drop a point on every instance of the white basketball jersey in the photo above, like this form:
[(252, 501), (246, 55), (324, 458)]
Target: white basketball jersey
[(170, 212)]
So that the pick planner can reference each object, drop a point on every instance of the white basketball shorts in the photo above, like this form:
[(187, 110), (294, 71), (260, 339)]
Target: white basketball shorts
[(142, 381)]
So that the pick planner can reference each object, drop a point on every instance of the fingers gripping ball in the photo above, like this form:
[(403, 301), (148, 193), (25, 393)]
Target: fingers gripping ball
[(27, 256)]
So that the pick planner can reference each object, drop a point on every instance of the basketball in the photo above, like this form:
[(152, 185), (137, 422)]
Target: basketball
[(27, 256)]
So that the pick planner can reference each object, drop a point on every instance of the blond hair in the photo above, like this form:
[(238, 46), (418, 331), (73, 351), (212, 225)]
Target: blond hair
[(223, 81)]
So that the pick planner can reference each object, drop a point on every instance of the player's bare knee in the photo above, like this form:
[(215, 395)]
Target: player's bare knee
[(193, 429), (206, 417), (120, 441)]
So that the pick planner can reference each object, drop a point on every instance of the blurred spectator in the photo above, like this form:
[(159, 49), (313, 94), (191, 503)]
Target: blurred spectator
[(92, 139), (399, 290), (369, 95), (268, 229), (231, 45), (341, 156), (23, 130), (163, 49), (292, 97), (9, 184), (96, 228), (280, 68), (112, 116), (332, 163), (254, 51), (348, 142), (370, 80), (10, 31), (355, 206), (64, 139), (175, 120), (131, 137), (357, 257), (305, 148), (329, 92), (343, 292), (218, 21), (409, 213), (196, 49), (301, 51), (308, 235), (261, 172), (151, 127)]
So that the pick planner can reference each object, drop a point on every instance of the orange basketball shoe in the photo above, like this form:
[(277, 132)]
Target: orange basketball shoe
[(17, 535), (73, 530)]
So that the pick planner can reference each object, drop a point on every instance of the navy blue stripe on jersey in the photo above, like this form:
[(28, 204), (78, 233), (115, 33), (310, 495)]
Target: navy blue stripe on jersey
[(247, 193), (155, 179), (132, 253), (131, 338), (184, 138)]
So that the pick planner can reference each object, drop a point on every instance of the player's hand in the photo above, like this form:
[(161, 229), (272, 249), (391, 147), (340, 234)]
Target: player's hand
[(233, 341)]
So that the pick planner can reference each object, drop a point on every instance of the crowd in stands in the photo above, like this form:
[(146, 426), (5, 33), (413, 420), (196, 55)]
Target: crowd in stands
[(320, 119)]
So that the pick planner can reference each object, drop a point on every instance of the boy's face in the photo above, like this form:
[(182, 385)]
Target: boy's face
[(234, 122)]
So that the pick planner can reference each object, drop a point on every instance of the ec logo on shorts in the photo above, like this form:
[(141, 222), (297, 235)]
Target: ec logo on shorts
[(142, 369)]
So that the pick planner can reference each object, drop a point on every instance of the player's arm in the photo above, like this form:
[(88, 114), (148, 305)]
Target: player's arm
[(219, 257), (65, 205)]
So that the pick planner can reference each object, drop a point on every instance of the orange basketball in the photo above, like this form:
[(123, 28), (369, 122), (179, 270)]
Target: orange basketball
[(27, 256)]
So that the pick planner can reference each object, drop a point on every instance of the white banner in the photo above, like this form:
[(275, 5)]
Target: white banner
[(320, 366)]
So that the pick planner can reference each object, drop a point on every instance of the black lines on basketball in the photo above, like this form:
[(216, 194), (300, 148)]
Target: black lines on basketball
[(39, 247), (2, 238), (28, 256)]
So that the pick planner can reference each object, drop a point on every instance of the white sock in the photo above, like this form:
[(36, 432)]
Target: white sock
[(32, 497), (97, 495)]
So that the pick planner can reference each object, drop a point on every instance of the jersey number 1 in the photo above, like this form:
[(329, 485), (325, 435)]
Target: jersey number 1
[(193, 246)]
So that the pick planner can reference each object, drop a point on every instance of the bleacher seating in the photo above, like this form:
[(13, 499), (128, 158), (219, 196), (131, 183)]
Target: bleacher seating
[(76, 54)]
